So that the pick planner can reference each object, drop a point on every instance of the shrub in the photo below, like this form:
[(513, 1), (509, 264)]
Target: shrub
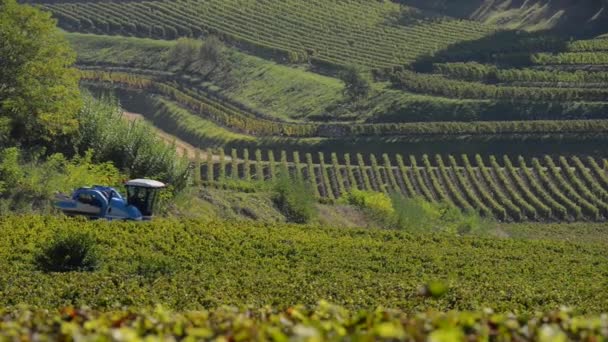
[(377, 204), (184, 53), (355, 85), (419, 215), (294, 198), (68, 252)]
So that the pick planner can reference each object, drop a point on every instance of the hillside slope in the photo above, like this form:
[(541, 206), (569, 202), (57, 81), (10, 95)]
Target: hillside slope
[(573, 15)]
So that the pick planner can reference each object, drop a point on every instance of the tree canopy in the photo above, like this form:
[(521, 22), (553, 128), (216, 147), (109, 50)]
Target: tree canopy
[(39, 94)]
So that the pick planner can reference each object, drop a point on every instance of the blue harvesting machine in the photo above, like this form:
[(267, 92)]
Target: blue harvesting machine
[(102, 202)]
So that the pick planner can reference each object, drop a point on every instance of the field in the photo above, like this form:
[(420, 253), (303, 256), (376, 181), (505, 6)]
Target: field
[(563, 188), (193, 264)]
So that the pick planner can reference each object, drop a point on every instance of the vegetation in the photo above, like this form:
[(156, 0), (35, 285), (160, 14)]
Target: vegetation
[(294, 198), (69, 251), (38, 89), (337, 33), (29, 182), (323, 322), (229, 263), (233, 117), (542, 190)]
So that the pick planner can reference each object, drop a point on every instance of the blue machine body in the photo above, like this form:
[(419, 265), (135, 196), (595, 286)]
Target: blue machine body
[(102, 202)]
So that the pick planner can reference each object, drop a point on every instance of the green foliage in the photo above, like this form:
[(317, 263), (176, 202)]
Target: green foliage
[(322, 322), (68, 251), (503, 192), (216, 263), (29, 184), (294, 198), (11, 172), (414, 214), (154, 265), (355, 85), (418, 215), (39, 90), (184, 54), (132, 147), (212, 57), (377, 204)]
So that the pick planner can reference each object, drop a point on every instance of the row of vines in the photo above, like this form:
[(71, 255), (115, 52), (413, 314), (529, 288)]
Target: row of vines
[(237, 119), (560, 189), (354, 32)]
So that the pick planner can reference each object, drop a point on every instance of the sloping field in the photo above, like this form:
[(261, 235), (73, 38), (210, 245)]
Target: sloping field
[(545, 189), (365, 33), (190, 265)]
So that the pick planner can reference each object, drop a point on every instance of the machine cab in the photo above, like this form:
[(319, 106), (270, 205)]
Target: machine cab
[(143, 194)]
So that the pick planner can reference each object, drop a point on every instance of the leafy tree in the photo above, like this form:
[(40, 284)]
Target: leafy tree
[(184, 53), (355, 85), (39, 94), (212, 56)]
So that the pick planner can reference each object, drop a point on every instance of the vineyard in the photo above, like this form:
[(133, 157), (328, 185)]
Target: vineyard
[(187, 264), (440, 68), (238, 119), (333, 33), (554, 189)]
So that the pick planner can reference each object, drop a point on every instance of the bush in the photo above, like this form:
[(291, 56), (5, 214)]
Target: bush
[(355, 85), (131, 147), (378, 205), (419, 215), (294, 198), (183, 54), (70, 251), (413, 214)]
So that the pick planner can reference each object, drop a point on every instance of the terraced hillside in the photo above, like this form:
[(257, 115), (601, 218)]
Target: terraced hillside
[(430, 76), (364, 33), (529, 15), (561, 188)]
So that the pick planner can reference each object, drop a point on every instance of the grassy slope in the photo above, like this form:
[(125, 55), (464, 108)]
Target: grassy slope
[(191, 264), (262, 85), (278, 90)]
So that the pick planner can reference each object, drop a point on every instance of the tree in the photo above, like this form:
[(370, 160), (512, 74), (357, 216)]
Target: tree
[(184, 54), (355, 86), (212, 55), (39, 95)]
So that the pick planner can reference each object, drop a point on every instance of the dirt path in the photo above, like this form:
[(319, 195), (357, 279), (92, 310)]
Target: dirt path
[(181, 146)]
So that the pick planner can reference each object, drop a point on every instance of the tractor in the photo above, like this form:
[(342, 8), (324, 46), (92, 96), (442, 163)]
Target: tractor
[(102, 202)]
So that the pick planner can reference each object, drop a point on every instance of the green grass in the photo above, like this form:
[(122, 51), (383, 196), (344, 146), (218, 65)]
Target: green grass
[(265, 86), (193, 264)]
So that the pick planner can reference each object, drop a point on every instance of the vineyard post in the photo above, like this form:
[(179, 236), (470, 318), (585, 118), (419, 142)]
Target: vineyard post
[(246, 166), (259, 167), (210, 175), (234, 166), (222, 172), (197, 168)]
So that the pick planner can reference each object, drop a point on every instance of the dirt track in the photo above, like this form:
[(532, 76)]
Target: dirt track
[(180, 145)]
